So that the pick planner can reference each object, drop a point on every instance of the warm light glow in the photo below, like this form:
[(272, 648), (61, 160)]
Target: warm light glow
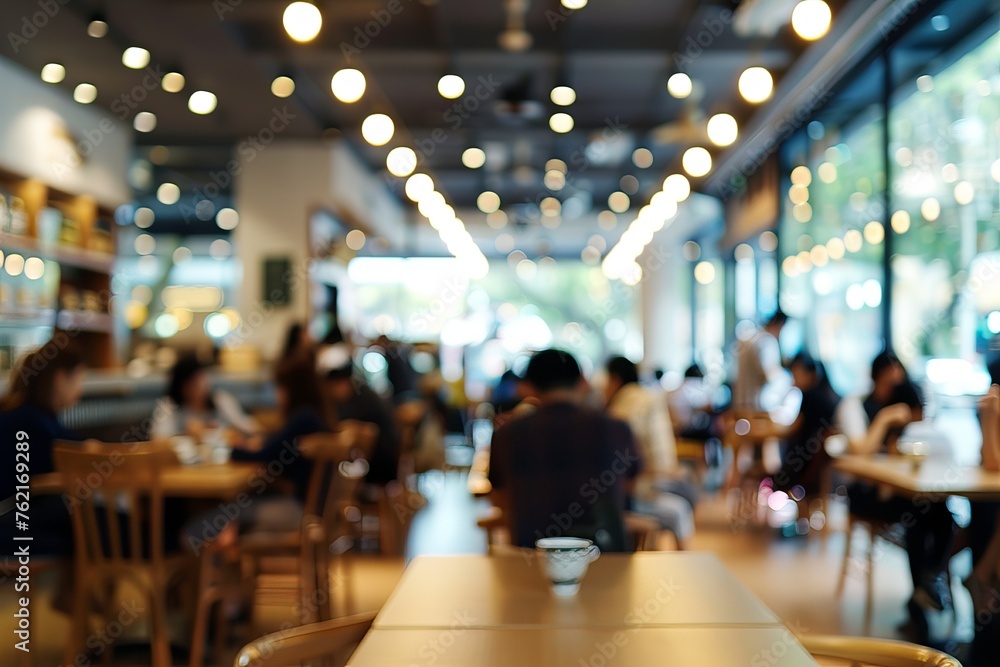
[(930, 209), (418, 186), (874, 232), (488, 201), (819, 255), (34, 268), (144, 217), (14, 264), (348, 85), (173, 82), (835, 248), (802, 176), (563, 96), (144, 121), (704, 273), (811, 19), (561, 122), (302, 21), (697, 161), (53, 73), (556, 164), (401, 161), (451, 86), (722, 129), (168, 193), (144, 244), (497, 219), (607, 220), (853, 240), (618, 202), (827, 172), (574, 4), (680, 85), (474, 158), (900, 222), (202, 102), (282, 86), (165, 325), (554, 180), (798, 194), (802, 212), (227, 219), (756, 85), (135, 57), (677, 187), (355, 239), (964, 193), (642, 158), (377, 129), (85, 93)]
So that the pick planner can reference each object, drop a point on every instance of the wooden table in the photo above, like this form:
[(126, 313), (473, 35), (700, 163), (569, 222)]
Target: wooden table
[(213, 481), (933, 477), (641, 609)]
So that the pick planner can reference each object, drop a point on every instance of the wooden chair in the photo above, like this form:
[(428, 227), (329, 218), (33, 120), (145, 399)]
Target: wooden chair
[(874, 530), (104, 558), (643, 531), (326, 639), (857, 651), (296, 562)]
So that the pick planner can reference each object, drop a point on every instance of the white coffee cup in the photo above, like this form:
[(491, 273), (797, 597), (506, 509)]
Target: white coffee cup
[(566, 561)]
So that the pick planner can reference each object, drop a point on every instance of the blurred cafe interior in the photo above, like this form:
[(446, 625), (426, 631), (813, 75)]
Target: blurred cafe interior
[(554, 332)]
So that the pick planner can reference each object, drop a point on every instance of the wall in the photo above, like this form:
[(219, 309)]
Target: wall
[(44, 134)]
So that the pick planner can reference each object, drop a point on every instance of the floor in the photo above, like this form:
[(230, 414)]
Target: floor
[(796, 577)]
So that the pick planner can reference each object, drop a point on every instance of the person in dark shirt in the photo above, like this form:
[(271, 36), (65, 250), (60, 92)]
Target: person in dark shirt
[(301, 404), (805, 460), (42, 384), (563, 469), (352, 398)]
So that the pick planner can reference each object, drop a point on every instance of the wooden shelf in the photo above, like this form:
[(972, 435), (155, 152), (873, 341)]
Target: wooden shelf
[(88, 260), (28, 318)]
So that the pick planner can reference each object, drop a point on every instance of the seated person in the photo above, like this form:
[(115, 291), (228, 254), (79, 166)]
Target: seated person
[(805, 459), (984, 527), (563, 469), (352, 398), (192, 408), (42, 384), (691, 406), (660, 490), (929, 527)]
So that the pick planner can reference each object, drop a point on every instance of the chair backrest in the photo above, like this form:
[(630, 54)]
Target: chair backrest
[(989, 419), (339, 464), (875, 652), (307, 642), (94, 471)]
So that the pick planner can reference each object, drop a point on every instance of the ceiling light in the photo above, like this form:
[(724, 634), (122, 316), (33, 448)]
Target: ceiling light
[(618, 202), (554, 179), (173, 82), (930, 209), (704, 273), (835, 248), (488, 202), (144, 121), (348, 85), (97, 28), (135, 57), (418, 186), (677, 187), (964, 193), (561, 122), (874, 232), (282, 86), (697, 161), (722, 129), (168, 193), (85, 93), (574, 4), (900, 222), (53, 73), (680, 85), (302, 21), (377, 129), (227, 219), (811, 19), (401, 161), (563, 96), (202, 102), (756, 85), (474, 158), (451, 86), (642, 158)]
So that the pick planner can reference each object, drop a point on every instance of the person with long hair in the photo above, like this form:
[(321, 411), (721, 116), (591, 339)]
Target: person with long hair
[(43, 384), (191, 407)]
